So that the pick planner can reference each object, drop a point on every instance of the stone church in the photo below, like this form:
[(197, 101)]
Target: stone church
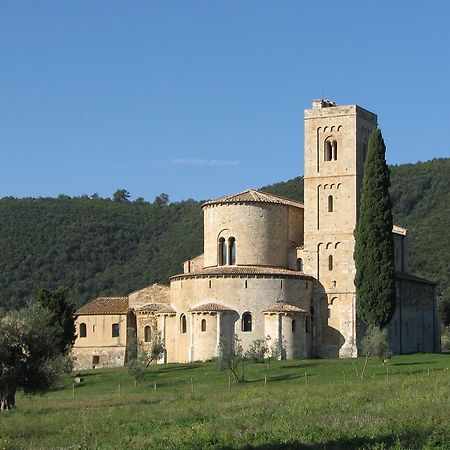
[(271, 266)]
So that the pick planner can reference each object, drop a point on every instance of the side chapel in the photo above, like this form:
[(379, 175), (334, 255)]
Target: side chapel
[(272, 267)]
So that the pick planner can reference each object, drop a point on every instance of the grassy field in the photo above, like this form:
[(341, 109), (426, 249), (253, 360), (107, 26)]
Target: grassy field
[(304, 405)]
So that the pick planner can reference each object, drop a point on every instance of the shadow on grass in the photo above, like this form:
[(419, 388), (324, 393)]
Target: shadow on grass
[(178, 367), (416, 440), (423, 363), (302, 365)]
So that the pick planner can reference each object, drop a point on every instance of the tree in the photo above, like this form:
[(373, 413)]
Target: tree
[(232, 358), (161, 200), (444, 307), (375, 343), (157, 350), (29, 358), (62, 311), (374, 246), (121, 195)]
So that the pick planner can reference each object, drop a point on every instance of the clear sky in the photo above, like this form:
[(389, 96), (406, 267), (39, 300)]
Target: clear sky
[(200, 99)]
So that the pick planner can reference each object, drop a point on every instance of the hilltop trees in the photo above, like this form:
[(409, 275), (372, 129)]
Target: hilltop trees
[(374, 254), (29, 358)]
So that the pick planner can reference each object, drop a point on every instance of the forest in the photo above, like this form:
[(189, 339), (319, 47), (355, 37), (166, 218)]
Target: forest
[(94, 246)]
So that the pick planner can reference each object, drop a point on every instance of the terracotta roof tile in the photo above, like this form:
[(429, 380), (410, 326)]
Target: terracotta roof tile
[(210, 307), (149, 307), (104, 305), (242, 270), (254, 196), (166, 309), (280, 307)]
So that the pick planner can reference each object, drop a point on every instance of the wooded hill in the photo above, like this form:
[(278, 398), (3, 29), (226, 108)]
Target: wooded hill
[(97, 246)]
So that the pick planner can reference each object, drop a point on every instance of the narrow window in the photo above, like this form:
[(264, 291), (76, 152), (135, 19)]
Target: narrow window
[(328, 151), (281, 284), (115, 330), (147, 334), (329, 312), (330, 203), (330, 262), (246, 285), (247, 321), (203, 324), (83, 330), (335, 149), (293, 325), (95, 360), (222, 251), (306, 325), (231, 251), (183, 324), (93, 328), (209, 284), (299, 264)]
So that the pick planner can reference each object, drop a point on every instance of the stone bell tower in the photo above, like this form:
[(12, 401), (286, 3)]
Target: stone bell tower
[(336, 140)]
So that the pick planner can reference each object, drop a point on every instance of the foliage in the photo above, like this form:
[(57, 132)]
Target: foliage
[(445, 339), (258, 350), (374, 245), (121, 195), (96, 246), (62, 311), (137, 362), (375, 343), (407, 410), (444, 307), (157, 350), (29, 358), (232, 357)]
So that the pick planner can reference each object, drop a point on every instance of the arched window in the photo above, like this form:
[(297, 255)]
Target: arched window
[(222, 252), (203, 324), (293, 325), (83, 330), (147, 334), (183, 324), (299, 264), (115, 330), (334, 146), (330, 262), (247, 321), (330, 203), (328, 151), (231, 251)]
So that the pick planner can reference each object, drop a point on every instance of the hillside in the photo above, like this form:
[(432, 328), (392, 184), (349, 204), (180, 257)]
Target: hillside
[(102, 247)]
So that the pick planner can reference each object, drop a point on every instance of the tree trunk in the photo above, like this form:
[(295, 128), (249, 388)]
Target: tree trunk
[(7, 399)]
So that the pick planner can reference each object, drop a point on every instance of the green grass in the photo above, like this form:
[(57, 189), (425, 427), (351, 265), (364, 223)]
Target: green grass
[(330, 407)]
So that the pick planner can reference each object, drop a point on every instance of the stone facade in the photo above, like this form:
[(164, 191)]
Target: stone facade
[(275, 268)]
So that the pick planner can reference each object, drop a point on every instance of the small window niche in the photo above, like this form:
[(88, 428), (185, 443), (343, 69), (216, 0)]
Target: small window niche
[(147, 334), (83, 330), (330, 203), (115, 330), (203, 325), (183, 324), (247, 321)]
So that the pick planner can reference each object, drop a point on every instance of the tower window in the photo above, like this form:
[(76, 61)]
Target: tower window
[(293, 325), (203, 324), (247, 321), (231, 251), (147, 334), (330, 262), (115, 330), (183, 324), (299, 264), (334, 147), (330, 203), (328, 151), (83, 330), (222, 252)]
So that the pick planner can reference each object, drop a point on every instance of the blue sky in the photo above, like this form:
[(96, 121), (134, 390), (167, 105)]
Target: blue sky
[(200, 99)]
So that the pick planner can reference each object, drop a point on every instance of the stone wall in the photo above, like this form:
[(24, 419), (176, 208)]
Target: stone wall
[(156, 293)]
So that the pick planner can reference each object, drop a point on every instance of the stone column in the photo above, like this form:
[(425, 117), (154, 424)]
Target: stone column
[(191, 343), (219, 315)]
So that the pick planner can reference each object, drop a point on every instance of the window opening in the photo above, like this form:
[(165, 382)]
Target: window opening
[(95, 360), (147, 334), (328, 151), (231, 251), (299, 264), (83, 330), (222, 252), (203, 324), (183, 324), (334, 146), (330, 262), (293, 325), (330, 203), (115, 330), (247, 321)]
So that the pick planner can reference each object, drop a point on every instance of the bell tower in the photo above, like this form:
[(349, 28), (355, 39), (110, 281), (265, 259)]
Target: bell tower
[(336, 140)]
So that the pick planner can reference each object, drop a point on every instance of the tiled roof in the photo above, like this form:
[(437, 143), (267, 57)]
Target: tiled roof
[(210, 307), (242, 270), (166, 309), (104, 305), (280, 307), (149, 307), (408, 276), (254, 196)]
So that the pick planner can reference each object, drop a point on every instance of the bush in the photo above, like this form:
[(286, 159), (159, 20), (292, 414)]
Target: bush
[(375, 343)]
